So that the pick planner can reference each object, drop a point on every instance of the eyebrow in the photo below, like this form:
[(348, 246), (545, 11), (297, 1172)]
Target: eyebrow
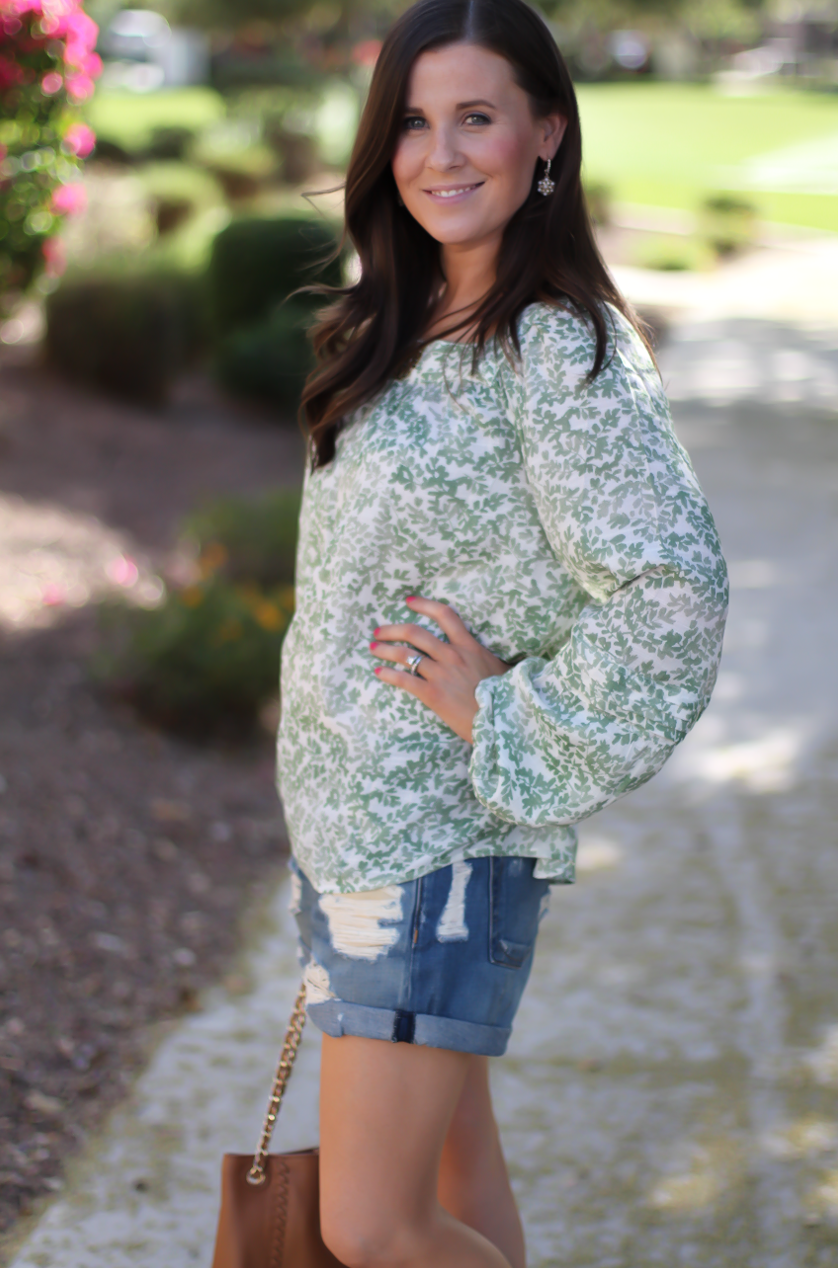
[(461, 105)]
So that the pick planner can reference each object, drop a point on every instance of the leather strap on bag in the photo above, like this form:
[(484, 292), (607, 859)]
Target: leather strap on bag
[(256, 1174)]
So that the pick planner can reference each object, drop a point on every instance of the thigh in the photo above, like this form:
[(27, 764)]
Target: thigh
[(385, 1109), (473, 1127)]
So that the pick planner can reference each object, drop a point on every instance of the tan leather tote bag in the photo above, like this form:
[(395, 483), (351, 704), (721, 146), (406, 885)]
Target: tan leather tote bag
[(270, 1203)]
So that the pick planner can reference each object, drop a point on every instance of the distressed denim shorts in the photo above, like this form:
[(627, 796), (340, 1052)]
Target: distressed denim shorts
[(441, 961)]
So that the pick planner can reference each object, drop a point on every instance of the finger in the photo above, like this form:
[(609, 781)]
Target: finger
[(444, 615), (413, 684), (417, 635), (401, 656)]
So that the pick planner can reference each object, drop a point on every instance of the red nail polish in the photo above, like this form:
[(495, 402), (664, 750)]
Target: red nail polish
[(410, 598), (373, 646), (378, 669), (377, 631)]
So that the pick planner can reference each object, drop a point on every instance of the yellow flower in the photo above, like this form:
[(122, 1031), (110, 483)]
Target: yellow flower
[(268, 615), (192, 596), (228, 631), (213, 556)]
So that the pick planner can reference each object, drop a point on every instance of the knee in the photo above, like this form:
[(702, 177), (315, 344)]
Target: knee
[(364, 1243)]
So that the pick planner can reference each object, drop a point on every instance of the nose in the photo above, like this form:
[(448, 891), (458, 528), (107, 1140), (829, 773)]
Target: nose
[(443, 154)]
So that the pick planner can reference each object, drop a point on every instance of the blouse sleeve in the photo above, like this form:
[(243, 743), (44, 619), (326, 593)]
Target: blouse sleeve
[(555, 740)]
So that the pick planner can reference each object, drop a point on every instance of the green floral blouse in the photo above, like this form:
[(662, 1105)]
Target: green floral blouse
[(564, 523)]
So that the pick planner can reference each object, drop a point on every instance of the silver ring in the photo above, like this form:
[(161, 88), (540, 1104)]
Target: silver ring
[(413, 662)]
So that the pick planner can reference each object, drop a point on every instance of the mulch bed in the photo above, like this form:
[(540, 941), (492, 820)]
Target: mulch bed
[(127, 857)]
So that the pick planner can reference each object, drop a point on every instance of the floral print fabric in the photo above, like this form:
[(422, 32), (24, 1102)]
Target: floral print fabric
[(564, 523)]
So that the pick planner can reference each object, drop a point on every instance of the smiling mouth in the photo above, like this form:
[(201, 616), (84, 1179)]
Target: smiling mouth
[(455, 191)]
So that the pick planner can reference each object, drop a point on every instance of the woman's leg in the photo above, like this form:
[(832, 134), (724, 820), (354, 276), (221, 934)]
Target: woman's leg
[(473, 1180), (385, 1110)]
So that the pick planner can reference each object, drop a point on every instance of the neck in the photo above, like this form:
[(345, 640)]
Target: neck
[(469, 273)]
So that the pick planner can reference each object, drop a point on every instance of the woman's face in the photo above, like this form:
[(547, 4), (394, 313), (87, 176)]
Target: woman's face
[(466, 157)]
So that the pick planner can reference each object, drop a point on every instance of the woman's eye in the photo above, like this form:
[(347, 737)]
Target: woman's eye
[(478, 118), (413, 123)]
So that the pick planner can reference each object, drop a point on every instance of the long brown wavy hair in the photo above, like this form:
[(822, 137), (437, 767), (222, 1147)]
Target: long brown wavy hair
[(374, 328)]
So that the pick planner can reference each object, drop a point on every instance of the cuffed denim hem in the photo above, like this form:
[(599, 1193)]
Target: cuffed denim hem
[(336, 1018), (441, 961)]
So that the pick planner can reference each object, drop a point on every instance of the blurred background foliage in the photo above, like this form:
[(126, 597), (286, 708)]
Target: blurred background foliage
[(706, 124), (204, 662), (214, 112)]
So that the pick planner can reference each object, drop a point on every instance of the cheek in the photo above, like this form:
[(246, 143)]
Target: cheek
[(507, 158), (407, 162)]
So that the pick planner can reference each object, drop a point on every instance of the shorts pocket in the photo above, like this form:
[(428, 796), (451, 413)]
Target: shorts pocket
[(515, 900)]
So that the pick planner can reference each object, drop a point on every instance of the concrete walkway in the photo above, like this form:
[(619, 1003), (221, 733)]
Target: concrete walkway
[(671, 1092)]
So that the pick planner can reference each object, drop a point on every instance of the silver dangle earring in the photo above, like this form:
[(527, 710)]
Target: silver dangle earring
[(546, 185)]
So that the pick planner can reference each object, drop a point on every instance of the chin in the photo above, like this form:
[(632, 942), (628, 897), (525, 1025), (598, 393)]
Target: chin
[(454, 235)]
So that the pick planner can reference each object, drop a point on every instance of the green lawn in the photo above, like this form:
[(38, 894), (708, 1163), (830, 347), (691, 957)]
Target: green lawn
[(129, 118), (669, 145), (663, 145)]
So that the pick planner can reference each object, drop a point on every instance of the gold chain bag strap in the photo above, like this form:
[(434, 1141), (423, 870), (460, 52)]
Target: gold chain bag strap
[(270, 1203)]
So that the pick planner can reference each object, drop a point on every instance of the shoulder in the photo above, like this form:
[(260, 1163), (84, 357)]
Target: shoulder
[(556, 339), (553, 382)]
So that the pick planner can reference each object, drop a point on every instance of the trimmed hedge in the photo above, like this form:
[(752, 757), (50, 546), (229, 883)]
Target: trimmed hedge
[(205, 662), (257, 262), (270, 359), (248, 539), (130, 335)]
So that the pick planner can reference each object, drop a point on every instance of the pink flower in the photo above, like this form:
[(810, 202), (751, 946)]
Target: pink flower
[(81, 31), (53, 596), (92, 65), (123, 571), (67, 200), (54, 256), (51, 84), (366, 52), (79, 139), (10, 74), (80, 86)]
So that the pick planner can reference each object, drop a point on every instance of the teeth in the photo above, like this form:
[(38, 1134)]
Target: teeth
[(449, 193)]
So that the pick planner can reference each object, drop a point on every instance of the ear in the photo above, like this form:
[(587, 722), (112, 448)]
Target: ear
[(553, 128)]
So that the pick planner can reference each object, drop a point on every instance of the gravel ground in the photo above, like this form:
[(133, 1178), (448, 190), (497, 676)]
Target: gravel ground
[(670, 1093), (126, 858)]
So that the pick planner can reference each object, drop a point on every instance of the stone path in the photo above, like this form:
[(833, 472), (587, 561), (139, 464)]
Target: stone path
[(670, 1096)]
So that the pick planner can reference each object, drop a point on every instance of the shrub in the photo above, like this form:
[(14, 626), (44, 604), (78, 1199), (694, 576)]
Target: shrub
[(286, 118), (169, 142), (179, 191), (600, 198), (257, 262), (269, 359), (129, 334), (236, 156), (727, 223), (136, 124), (46, 67), (248, 539), (672, 254), (204, 662)]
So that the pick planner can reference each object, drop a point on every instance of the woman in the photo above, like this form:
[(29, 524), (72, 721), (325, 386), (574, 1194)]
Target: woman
[(510, 609)]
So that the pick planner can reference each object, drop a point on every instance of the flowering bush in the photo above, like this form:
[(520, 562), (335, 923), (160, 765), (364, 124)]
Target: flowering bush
[(47, 66), (206, 661)]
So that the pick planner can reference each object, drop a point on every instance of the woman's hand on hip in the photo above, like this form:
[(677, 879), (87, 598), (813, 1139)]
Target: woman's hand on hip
[(447, 673)]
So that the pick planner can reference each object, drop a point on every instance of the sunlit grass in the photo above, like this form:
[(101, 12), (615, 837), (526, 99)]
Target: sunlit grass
[(129, 118), (670, 145)]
